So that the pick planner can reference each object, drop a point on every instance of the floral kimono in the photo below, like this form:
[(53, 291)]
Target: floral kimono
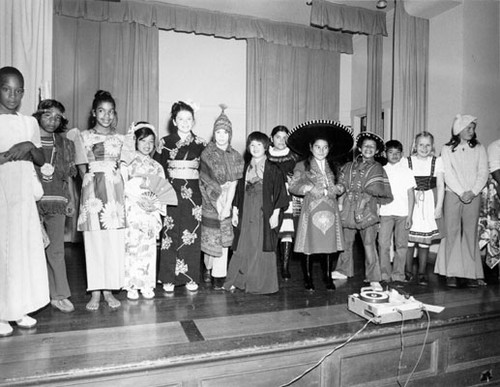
[(180, 257)]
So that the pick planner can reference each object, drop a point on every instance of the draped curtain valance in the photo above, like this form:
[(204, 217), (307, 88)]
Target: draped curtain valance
[(346, 18), (186, 19)]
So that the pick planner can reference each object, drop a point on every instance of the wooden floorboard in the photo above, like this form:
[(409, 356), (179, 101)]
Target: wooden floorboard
[(146, 334)]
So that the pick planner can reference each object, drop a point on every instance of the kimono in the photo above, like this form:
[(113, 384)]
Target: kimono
[(253, 264), (102, 210), (180, 257), (143, 224)]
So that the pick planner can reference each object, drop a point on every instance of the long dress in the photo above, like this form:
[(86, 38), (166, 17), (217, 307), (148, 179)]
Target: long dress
[(180, 256), (319, 228), (253, 265), (102, 210), (24, 285), (143, 225)]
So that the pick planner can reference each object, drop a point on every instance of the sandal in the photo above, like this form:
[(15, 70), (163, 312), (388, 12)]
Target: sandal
[(192, 286)]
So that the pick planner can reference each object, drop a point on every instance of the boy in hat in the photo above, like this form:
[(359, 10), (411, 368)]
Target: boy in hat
[(367, 186)]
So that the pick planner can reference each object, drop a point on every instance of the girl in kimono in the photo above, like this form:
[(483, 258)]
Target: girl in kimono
[(24, 285), (102, 212), (143, 212), (319, 229), (280, 154), (258, 206), (221, 167), (179, 154)]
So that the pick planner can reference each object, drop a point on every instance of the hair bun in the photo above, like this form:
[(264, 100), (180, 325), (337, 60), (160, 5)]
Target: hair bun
[(102, 94)]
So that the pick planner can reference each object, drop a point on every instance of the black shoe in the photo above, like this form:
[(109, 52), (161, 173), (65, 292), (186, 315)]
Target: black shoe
[(451, 282), (409, 277), (471, 283), (207, 276), (307, 266), (219, 283), (423, 280), (286, 251)]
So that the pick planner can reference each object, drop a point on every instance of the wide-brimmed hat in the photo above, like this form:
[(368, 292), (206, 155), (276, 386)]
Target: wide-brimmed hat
[(339, 136), (372, 136)]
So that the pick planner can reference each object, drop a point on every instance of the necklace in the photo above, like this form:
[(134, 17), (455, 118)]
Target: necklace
[(47, 169)]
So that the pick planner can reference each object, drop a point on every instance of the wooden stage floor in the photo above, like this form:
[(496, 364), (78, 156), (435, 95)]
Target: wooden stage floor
[(187, 327)]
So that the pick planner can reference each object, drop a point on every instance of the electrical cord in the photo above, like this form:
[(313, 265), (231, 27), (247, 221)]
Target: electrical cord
[(421, 350), (325, 356)]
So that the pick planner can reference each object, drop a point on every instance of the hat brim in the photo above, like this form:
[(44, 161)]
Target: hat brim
[(338, 136), (371, 136)]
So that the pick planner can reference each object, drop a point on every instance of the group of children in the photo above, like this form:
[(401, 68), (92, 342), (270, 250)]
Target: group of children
[(416, 200), (212, 194)]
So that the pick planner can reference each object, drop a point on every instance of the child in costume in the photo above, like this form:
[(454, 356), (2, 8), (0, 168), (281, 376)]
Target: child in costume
[(221, 168), (258, 207)]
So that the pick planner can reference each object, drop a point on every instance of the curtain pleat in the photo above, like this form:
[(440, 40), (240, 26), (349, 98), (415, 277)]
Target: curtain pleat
[(187, 19), (121, 58), (289, 85), (348, 18), (26, 43), (411, 53), (374, 85)]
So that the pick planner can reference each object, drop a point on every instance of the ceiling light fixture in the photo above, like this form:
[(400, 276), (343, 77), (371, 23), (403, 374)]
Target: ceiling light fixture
[(381, 4)]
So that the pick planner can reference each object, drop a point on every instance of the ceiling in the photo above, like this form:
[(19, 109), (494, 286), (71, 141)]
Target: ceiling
[(298, 11)]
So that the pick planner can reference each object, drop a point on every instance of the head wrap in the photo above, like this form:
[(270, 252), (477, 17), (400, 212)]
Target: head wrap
[(461, 122), (222, 122)]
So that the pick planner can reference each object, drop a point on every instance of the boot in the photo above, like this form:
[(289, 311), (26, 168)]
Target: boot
[(307, 270), (330, 267), (286, 251)]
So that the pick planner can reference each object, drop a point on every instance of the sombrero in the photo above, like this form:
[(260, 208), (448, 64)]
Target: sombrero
[(372, 136), (339, 136)]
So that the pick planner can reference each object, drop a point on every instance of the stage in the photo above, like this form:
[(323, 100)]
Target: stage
[(218, 338)]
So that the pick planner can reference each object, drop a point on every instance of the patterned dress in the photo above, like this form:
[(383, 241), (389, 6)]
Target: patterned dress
[(143, 225), (180, 257), (319, 229), (424, 227), (102, 211), (218, 167)]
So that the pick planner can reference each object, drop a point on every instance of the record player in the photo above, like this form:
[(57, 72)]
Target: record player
[(384, 306)]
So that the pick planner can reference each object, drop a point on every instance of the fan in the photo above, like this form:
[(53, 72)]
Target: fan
[(161, 188)]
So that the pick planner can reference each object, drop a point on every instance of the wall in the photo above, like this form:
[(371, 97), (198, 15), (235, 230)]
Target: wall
[(481, 82), (208, 71), (445, 73)]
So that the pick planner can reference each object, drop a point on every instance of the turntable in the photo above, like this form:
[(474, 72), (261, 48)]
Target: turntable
[(384, 306)]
